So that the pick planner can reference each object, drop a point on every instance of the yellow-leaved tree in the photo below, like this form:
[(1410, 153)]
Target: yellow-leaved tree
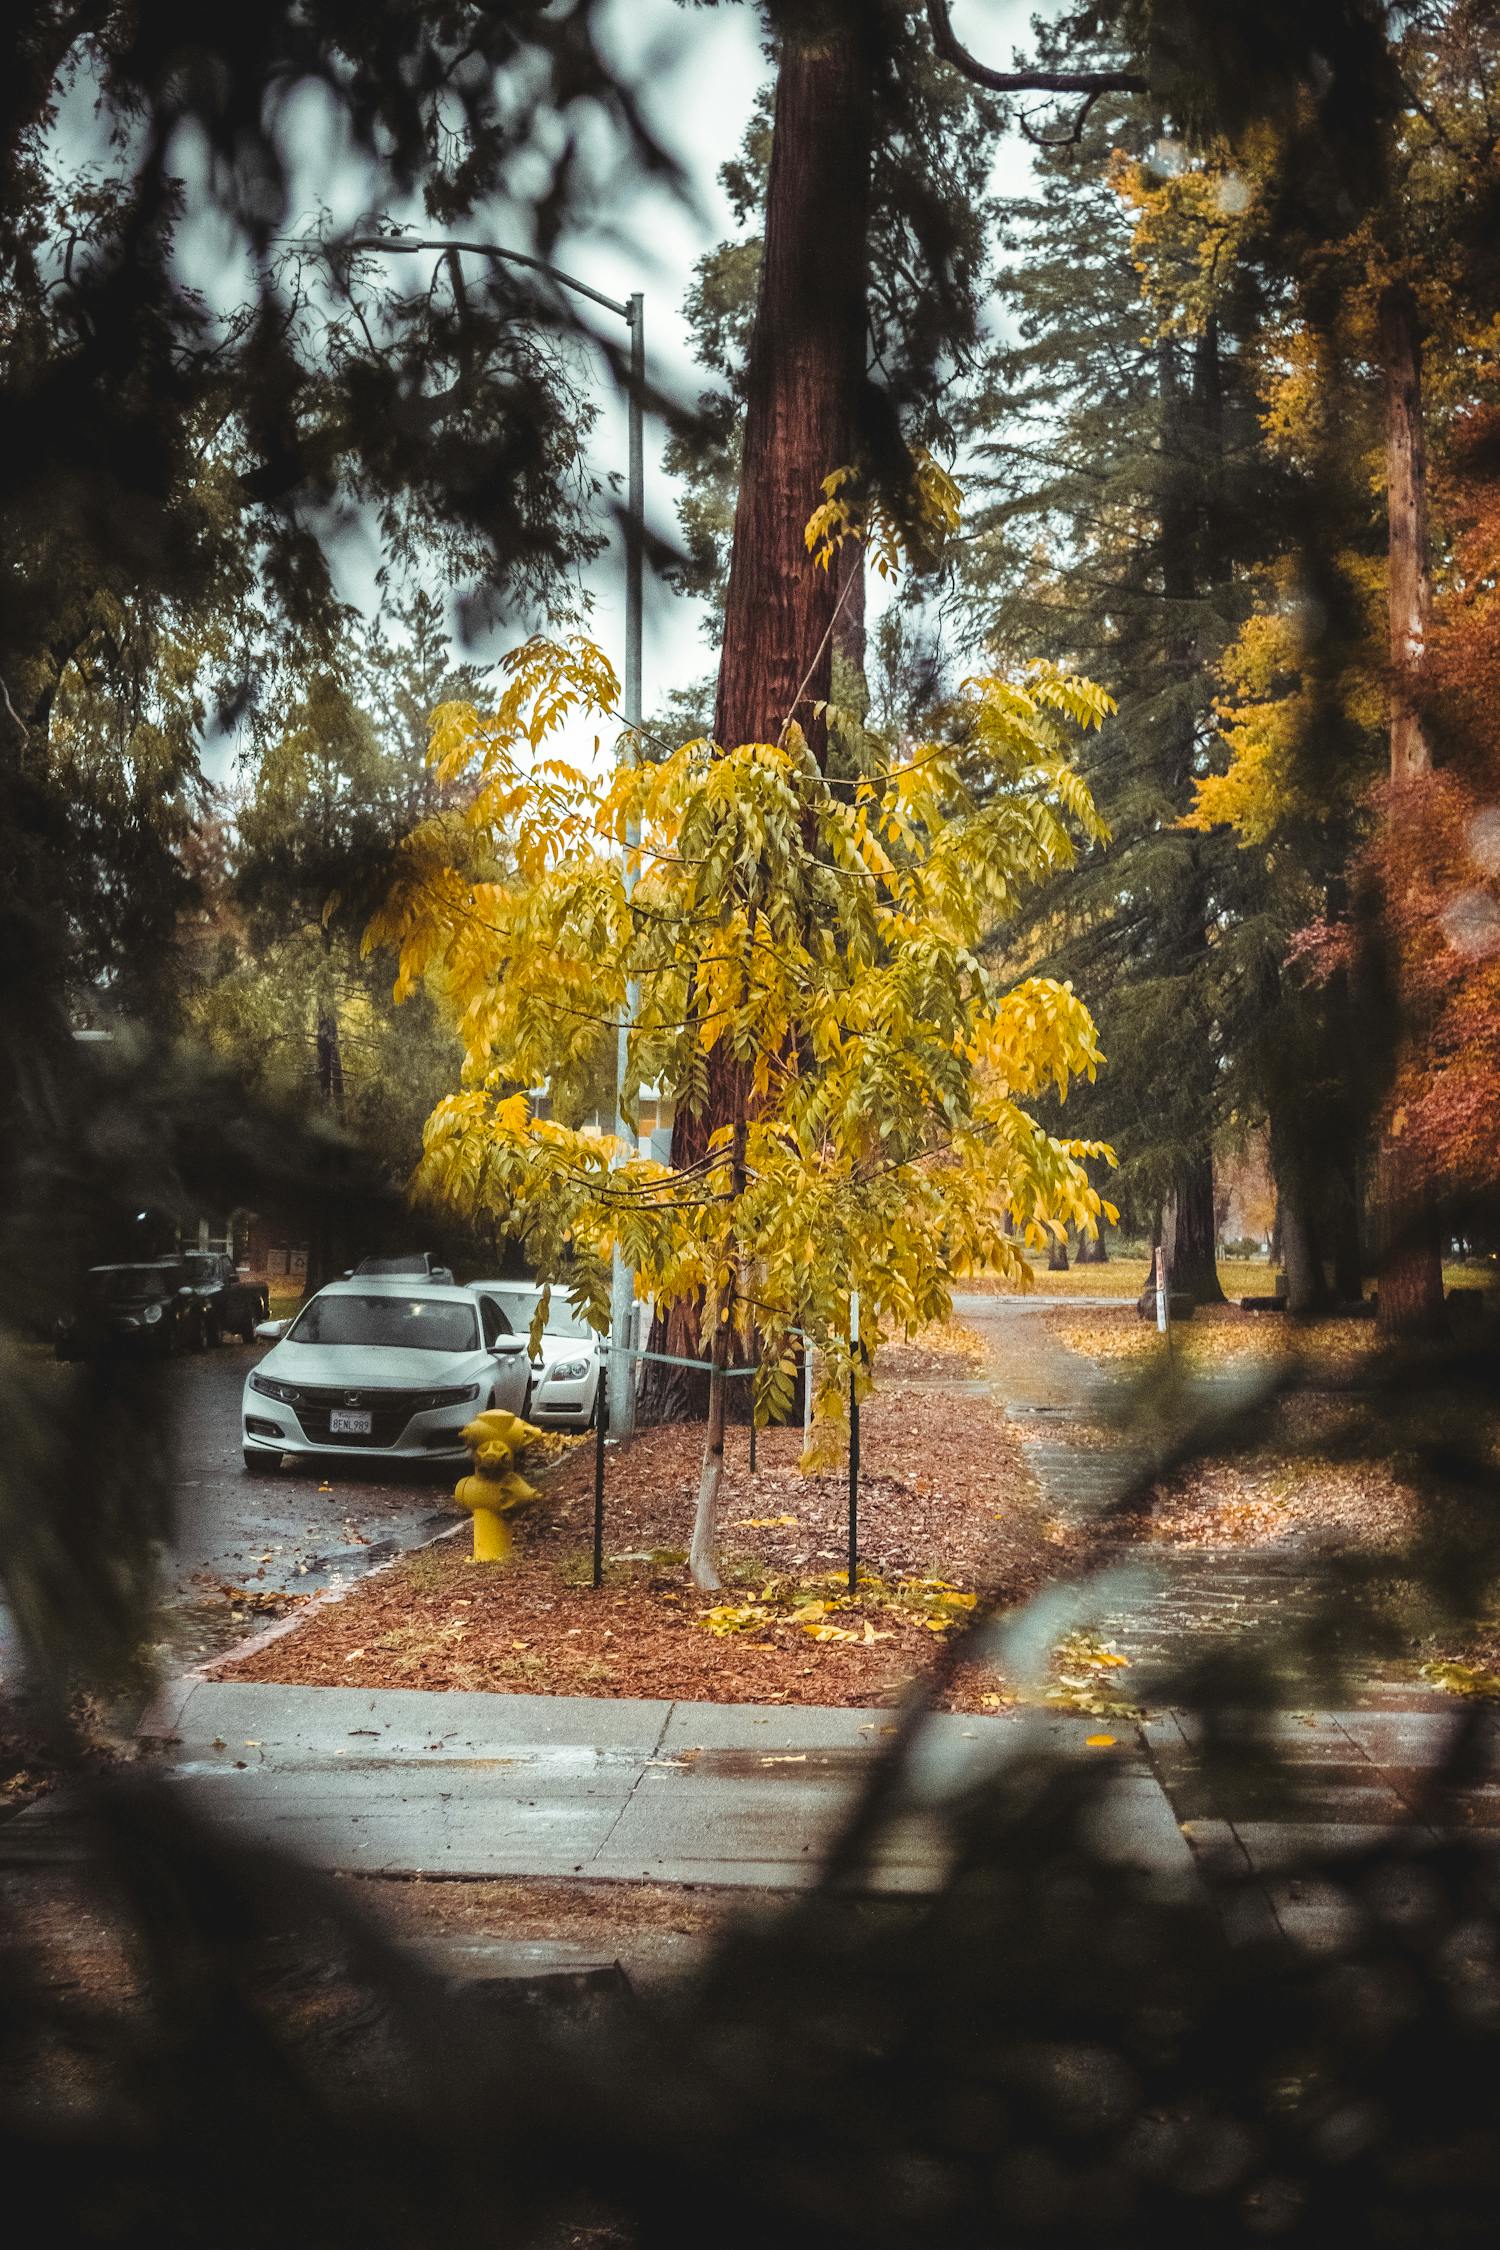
[(818, 940)]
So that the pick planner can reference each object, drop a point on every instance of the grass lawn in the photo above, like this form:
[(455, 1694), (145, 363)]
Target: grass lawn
[(1214, 1335), (1127, 1277), (947, 1512)]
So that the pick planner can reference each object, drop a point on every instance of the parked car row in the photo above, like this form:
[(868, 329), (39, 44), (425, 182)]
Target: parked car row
[(162, 1306), (395, 1358), (396, 1362)]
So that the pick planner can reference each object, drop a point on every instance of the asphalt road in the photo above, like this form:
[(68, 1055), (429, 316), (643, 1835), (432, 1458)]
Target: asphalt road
[(294, 1532)]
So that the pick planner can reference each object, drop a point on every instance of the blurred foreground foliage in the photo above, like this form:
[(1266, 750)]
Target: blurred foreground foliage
[(1044, 2048)]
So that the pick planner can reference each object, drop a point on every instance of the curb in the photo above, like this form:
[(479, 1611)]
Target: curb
[(158, 1722)]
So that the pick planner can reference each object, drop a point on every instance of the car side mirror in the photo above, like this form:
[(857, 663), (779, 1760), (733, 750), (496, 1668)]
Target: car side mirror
[(271, 1331), (506, 1347)]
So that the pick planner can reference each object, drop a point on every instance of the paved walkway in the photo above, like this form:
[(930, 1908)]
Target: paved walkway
[(1168, 1609), (1346, 1777), (399, 1781)]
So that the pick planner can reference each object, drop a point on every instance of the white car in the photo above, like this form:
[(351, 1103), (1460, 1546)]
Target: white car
[(565, 1375), (389, 1367)]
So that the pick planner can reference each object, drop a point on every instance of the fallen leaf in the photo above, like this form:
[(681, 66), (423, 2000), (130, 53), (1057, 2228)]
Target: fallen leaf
[(1100, 1741), (353, 1652)]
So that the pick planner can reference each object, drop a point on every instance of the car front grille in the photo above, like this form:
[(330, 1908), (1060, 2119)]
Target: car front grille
[(389, 1412)]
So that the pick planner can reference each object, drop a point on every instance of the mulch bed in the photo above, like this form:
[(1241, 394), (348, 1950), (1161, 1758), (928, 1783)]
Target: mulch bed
[(944, 1495)]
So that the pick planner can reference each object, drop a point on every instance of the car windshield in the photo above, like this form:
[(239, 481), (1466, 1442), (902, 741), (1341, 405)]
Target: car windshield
[(521, 1304), (133, 1281), (388, 1322)]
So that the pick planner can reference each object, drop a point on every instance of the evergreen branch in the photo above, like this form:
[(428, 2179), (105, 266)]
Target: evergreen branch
[(1091, 82)]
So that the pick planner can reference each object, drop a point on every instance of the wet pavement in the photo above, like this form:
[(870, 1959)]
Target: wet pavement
[(292, 1533), (414, 1782), (248, 1549)]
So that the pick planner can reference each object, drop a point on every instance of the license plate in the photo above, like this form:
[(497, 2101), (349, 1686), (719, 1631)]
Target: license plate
[(346, 1422)]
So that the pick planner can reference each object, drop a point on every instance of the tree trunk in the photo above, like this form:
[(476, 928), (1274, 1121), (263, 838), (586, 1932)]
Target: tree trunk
[(1191, 559), (330, 1062), (1190, 1240), (1057, 1256), (703, 1553), (1411, 1270), (1344, 1231), (1410, 590), (804, 383), (1092, 1250), (1306, 1288), (806, 373)]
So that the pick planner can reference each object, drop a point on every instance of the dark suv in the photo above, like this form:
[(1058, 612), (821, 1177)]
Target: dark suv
[(420, 1264), (231, 1305), (149, 1308)]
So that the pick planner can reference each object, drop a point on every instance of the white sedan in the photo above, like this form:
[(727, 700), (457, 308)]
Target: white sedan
[(389, 1367), (566, 1370)]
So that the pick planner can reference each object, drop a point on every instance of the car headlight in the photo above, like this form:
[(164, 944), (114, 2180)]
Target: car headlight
[(568, 1371), (152, 1312), (284, 1391), (459, 1397)]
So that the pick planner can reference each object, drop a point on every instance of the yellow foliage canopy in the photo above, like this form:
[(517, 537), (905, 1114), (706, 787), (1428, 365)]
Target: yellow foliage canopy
[(823, 936)]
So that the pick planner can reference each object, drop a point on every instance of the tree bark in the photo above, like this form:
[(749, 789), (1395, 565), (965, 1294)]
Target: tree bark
[(1057, 1256), (806, 373), (805, 379), (1306, 1288), (1191, 557), (1344, 1230), (1411, 1270), (1092, 1250), (1190, 1238), (703, 1565), (1410, 573)]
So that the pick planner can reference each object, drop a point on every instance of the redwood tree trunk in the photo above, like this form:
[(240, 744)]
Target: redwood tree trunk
[(1306, 1289), (805, 376), (1344, 1229), (1411, 1272), (1190, 1241), (806, 371), (1191, 558)]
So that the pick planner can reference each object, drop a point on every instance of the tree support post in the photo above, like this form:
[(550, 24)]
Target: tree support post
[(600, 1417), (853, 1445)]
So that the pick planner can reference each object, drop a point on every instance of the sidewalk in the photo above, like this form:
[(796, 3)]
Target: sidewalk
[(408, 1782)]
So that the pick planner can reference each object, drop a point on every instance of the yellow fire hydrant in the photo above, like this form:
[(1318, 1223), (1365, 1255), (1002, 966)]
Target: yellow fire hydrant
[(493, 1490)]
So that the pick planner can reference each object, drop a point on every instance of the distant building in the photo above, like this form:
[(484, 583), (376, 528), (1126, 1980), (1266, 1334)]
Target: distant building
[(655, 1111)]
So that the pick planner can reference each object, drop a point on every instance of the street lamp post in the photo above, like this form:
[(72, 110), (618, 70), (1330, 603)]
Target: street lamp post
[(621, 1382)]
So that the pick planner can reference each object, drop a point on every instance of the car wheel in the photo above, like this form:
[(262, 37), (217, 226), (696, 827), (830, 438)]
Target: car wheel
[(259, 1462)]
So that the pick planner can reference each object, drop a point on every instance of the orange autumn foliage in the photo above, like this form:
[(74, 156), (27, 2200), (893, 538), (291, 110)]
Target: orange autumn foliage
[(1438, 858)]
